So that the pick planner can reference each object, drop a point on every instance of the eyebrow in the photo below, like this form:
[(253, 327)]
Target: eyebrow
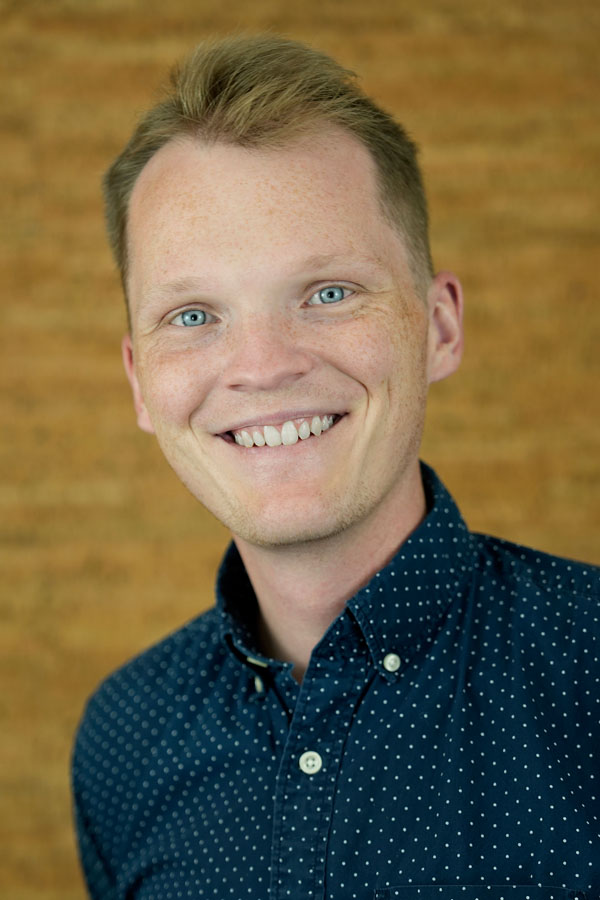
[(179, 286), (322, 260), (193, 284)]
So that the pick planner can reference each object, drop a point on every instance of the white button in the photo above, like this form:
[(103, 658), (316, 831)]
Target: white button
[(257, 662), (391, 662), (310, 762), (258, 684)]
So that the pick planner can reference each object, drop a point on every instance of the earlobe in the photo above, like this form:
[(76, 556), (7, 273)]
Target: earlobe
[(445, 304), (143, 419)]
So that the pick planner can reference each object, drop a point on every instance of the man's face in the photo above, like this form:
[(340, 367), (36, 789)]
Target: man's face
[(266, 287)]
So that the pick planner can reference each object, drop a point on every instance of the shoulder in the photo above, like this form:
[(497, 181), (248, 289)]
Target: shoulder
[(524, 565), (148, 688), (537, 585)]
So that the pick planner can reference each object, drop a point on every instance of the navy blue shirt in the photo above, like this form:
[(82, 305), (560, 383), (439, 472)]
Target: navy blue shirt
[(443, 743)]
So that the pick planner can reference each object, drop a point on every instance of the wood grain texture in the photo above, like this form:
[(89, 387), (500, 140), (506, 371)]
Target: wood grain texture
[(103, 551)]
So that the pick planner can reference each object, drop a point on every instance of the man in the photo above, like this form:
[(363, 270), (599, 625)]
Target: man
[(381, 704)]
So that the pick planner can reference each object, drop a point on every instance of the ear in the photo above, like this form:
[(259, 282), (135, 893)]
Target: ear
[(143, 419), (445, 304)]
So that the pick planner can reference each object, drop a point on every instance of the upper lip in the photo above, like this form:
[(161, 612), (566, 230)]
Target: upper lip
[(278, 418)]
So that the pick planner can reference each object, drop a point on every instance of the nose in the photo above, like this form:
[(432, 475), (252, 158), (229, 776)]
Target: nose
[(266, 354)]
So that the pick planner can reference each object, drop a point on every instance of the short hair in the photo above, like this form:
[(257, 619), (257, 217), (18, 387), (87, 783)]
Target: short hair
[(264, 91)]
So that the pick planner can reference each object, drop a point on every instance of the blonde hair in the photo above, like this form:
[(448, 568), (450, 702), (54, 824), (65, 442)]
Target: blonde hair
[(264, 91)]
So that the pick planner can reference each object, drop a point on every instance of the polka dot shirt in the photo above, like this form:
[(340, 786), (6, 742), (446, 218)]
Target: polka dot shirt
[(443, 744)]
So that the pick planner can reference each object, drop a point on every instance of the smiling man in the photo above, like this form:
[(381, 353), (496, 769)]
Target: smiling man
[(381, 704)]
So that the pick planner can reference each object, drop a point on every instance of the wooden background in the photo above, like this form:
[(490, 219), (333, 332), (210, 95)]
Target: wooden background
[(103, 551)]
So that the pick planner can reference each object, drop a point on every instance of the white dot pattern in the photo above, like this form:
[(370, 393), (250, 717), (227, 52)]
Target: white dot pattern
[(468, 771)]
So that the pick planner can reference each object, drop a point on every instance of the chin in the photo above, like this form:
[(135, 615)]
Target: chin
[(271, 528), (288, 536), (280, 531)]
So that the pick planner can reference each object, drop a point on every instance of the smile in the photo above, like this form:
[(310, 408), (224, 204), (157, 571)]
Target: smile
[(286, 434)]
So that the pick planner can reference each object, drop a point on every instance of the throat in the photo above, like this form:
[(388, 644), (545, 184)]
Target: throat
[(300, 592), (289, 628)]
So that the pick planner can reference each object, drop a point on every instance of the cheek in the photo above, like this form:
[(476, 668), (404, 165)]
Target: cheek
[(410, 341), (172, 385), (390, 347)]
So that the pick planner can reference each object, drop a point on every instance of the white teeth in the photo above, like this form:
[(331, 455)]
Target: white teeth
[(289, 435), (304, 430), (272, 436)]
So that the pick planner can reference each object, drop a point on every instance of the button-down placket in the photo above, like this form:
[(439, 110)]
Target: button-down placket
[(333, 684)]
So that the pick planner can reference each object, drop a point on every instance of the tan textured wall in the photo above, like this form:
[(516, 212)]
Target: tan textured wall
[(103, 551)]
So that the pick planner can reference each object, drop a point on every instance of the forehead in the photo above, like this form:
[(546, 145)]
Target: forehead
[(198, 204)]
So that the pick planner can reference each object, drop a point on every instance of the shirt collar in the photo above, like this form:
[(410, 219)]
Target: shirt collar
[(405, 602), (238, 606), (402, 605)]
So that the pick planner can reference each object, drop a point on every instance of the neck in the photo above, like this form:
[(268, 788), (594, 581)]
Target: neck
[(302, 588)]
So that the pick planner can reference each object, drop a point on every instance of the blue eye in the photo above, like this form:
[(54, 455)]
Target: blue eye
[(190, 317), (332, 294)]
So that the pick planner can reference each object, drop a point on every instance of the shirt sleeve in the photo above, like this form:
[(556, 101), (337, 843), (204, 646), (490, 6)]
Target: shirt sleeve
[(100, 883)]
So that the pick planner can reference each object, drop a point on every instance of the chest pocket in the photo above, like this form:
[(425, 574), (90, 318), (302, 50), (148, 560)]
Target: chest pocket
[(479, 892)]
